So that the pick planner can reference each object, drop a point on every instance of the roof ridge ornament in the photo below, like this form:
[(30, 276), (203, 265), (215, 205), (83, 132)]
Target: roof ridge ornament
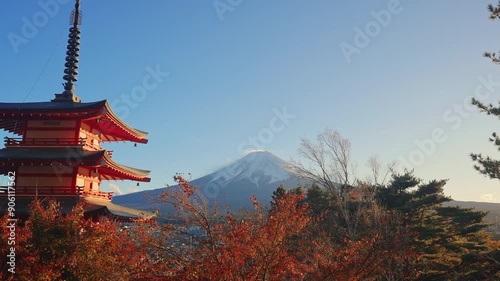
[(72, 60)]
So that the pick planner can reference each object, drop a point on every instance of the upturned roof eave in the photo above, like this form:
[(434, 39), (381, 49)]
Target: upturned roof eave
[(10, 113), (141, 135), (77, 156)]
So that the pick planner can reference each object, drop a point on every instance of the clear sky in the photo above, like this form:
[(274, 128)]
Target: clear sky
[(386, 74)]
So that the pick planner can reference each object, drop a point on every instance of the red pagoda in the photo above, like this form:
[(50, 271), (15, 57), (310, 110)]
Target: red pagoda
[(57, 152)]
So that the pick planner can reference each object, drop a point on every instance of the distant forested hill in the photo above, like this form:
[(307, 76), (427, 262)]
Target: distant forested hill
[(492, 208)]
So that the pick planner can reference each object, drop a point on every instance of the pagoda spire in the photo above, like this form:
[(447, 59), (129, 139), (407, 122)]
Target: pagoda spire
[(72, 60)]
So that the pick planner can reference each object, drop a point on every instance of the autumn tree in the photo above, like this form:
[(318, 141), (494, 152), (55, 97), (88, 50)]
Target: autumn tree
[(254, 246), (448, 241), (283, 243), (385, 253), (51, 245)]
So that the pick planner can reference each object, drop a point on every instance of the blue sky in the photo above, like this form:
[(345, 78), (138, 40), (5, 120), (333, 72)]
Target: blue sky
[(232, 65)]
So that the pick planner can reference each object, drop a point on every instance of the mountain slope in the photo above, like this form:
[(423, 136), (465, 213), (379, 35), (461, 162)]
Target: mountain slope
[(493, 209), (258, 173)]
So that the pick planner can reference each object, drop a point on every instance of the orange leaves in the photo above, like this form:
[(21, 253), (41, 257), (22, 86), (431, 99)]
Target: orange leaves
[(252, 246), (52, 246), (185, 187), (283, 243)]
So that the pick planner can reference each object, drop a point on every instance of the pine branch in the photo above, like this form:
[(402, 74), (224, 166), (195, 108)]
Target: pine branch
[(493, 56), (486, 165), (488, 109), (494, 11)]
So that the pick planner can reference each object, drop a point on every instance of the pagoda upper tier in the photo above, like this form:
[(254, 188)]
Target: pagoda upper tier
[(94, 116)]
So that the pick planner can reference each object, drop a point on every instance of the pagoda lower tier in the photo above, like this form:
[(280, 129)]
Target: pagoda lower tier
[(64, 172)]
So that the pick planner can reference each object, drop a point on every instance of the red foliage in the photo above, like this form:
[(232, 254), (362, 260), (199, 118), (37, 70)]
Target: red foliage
[(51, 246), (282, 244)]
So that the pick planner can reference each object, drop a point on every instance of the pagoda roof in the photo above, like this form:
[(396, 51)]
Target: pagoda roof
[(48, 154), (49, 106), (99, 206), (108, 169), (91, 207), (14, 115)]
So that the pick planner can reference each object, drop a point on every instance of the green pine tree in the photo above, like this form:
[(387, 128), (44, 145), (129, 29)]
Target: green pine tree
[(446, 239), (485, 164), (280, 192)]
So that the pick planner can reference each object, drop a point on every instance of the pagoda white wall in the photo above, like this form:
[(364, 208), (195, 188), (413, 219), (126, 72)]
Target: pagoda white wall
[(89, 179), (92, 141)]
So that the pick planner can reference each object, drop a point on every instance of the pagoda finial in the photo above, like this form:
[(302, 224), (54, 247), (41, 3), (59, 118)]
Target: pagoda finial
[(72, 58)]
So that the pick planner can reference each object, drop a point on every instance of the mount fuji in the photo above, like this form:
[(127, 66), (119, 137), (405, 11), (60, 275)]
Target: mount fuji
[(258, 173)]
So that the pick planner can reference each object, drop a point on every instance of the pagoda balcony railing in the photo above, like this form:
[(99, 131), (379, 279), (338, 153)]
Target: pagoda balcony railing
[(52, 191), (98, 194), (44, 141)]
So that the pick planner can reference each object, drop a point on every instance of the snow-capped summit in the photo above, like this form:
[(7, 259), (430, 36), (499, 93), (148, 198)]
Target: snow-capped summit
[(259, 167)]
